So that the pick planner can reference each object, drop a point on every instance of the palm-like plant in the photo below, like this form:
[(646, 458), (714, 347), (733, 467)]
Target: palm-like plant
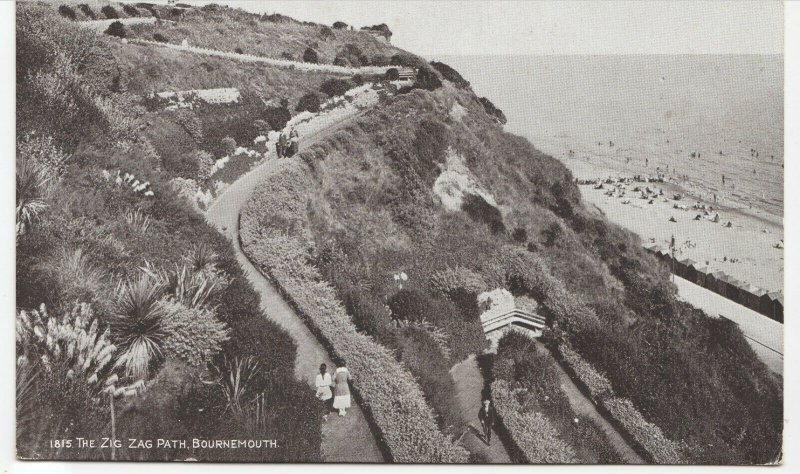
[(32, 188), (202, 258), (138, 327), (191, 288), (233, 378)]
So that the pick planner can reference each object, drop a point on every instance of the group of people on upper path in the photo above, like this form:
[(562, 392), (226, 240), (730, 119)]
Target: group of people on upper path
[(333, 391), (287, 146)]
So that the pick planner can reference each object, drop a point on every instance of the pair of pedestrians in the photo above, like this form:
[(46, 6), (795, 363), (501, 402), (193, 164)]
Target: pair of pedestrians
[(333, 392)]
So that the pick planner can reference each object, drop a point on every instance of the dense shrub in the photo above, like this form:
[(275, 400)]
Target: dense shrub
[(340, 25), (477, 208), (160, 38), (116, 29), (427, 79), (493, 111), (193, 333), (353, 55), (67, 12), (335, 87), (407, 60), (228, 145), (84, 8), (238, 50), (309, 102), (310, 56), (109, 12), (392, 74), (277, 117), (450, 74), (381, 29), (358, 79), (130, 10), (326, 33)]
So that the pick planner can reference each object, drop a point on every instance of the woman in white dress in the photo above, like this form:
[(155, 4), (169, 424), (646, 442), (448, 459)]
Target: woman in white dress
[(341, 400), (323, 384)]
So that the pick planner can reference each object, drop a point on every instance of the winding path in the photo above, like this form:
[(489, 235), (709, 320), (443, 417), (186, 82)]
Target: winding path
[(585, 408), (347, 439)]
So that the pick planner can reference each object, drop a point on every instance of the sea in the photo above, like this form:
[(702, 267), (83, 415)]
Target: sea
[(691, 118)]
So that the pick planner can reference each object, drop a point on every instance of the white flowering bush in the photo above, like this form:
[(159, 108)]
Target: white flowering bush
[(130, 181), (534, 435), (72, 344), (390, 393)]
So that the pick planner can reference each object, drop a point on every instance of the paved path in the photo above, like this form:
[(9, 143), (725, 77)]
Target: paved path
[(585, 408), (764, 335), (469, 386), (347, 439)]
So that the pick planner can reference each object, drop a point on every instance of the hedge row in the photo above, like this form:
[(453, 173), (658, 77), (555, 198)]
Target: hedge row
[(391, 395), (532, 433), (647, 435)]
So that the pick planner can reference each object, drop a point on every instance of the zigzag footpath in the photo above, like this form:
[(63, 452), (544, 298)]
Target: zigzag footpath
[(347, 439), (281, 63)]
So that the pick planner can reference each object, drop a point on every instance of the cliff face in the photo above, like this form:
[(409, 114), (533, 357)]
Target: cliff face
[(429, 184)]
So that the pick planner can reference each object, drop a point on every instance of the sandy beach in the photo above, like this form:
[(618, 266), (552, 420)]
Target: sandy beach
[(746, 250)]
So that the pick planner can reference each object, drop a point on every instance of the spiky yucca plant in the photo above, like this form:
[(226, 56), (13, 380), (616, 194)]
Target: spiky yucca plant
[(202, 257), (191, 288), (233, 377), (138, 324), (32, 189)]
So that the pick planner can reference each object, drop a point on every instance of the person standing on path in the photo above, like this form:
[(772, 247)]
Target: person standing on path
[(487, 415), (341, 390), (281, 146), (294, 142), (323, 384)]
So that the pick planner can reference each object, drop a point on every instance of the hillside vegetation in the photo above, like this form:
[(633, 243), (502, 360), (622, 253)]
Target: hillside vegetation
[(111, 259), (381, 236), (429, 185)]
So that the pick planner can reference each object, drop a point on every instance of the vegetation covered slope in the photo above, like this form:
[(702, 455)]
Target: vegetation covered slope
[(164, 322), (428, 186)]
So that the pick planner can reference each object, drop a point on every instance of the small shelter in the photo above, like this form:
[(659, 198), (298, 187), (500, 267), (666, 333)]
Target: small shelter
[(774, 305), (750, 296), (732, 289), (701, 272), (685, 268), (715, 281)]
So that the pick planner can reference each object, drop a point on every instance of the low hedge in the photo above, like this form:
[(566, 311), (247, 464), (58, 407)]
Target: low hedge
[(391, 395), (532, 433)]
